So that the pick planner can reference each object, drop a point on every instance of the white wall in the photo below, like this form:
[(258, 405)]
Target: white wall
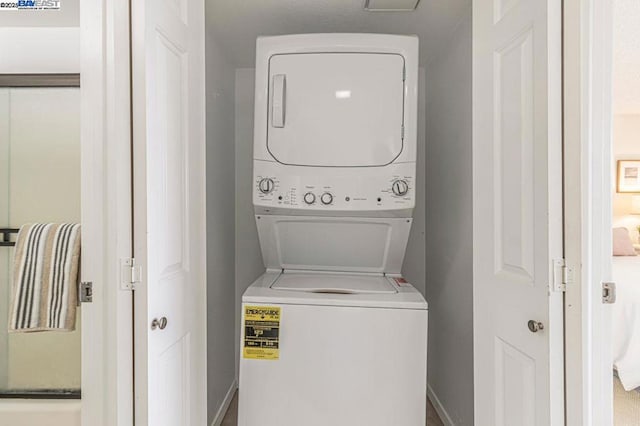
[(39, 50), (221, 256), (414, 266), (41, 41), (67, 16), (249, 265), (449, 262), (626, 146)]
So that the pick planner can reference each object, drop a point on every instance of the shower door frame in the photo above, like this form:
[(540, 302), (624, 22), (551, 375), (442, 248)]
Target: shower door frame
[(43, 81)]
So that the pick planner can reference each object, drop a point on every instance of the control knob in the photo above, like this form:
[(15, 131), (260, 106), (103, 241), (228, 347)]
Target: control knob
[(400, 187), (309, 198), (266, 185), (326, 198)]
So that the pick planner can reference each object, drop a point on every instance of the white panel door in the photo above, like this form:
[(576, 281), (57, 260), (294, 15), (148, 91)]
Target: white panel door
[(517, 152), (336, 109), (169, 212)]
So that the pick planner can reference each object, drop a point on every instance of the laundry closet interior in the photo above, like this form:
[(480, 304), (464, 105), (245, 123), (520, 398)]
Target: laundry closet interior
[(438, 259)]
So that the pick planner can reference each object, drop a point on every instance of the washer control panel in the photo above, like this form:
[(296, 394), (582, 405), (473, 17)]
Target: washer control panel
[(309, 198), (400, 187), (266, 185), (313, 188), (326, 198)]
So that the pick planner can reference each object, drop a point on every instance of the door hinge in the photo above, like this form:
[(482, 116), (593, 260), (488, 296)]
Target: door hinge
[(562, 275), (608, 293), (130, 274), (85, 292)]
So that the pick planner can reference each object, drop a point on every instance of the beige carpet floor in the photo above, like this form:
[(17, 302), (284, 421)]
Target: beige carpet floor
[(626, 405), (231, 418)]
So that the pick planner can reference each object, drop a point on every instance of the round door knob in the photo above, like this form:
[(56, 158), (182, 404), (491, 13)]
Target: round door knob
[(159, 323), (266, 185), (400, 187), (326, 198), (309, 198), (534, 326)]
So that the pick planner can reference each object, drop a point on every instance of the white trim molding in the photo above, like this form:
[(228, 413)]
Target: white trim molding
[(107, 325), (587, 187), (442, 412), (226, 402)]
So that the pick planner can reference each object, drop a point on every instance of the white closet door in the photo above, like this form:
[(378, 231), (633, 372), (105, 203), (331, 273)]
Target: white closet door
[(517, 208), (169, 212)]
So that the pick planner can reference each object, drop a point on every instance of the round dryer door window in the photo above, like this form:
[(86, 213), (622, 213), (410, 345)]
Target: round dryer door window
[(336, 109)]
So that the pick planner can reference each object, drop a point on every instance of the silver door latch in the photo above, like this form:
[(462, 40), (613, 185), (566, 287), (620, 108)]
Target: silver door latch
[(608, 293), (85, 292)]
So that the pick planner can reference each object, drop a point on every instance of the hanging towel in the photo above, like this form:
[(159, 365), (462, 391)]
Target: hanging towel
[(45, 275)]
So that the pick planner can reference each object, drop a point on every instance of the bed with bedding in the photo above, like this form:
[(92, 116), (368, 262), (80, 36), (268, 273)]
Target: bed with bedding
[(626, 320)]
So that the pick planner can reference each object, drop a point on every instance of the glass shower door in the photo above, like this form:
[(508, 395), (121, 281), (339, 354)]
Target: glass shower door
[(39, 183)]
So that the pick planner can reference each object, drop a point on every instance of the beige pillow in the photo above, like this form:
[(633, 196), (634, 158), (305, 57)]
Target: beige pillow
[(622, 245)]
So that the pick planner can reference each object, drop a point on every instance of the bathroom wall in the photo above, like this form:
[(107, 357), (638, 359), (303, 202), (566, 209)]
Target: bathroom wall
[(67, 16), (626, 146), (52, 50), (41, 41), (40, 160), (221, 254), (449, 261)]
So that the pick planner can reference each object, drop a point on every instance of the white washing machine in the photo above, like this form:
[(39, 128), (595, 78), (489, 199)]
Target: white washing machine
[(331, 333)]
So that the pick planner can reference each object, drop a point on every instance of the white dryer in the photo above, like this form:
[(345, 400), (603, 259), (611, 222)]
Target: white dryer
[(331, 333)]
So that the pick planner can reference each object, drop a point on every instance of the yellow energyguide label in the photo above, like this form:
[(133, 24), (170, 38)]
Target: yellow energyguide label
[(261, 332)]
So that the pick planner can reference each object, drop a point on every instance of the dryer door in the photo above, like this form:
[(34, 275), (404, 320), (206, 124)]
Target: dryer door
[(335, 109)]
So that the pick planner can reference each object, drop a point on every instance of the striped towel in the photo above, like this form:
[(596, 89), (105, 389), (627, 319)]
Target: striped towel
[(45, 274)]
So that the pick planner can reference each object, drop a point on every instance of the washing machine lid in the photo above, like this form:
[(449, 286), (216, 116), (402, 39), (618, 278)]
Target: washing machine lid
[(336, 109), (338, 244), (267, 291), (334, 283)]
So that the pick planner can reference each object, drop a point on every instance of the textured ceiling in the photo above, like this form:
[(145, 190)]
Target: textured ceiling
[(626, 57), (237, 23)]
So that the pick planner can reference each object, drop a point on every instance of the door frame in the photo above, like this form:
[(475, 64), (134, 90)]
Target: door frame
[(107, 323), (587, 194)]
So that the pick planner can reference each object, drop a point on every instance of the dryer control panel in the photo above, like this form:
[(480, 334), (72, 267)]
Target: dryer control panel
[(334, 189)]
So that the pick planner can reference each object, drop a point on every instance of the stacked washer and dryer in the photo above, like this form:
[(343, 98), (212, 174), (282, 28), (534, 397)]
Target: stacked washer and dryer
[(331, 332)]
